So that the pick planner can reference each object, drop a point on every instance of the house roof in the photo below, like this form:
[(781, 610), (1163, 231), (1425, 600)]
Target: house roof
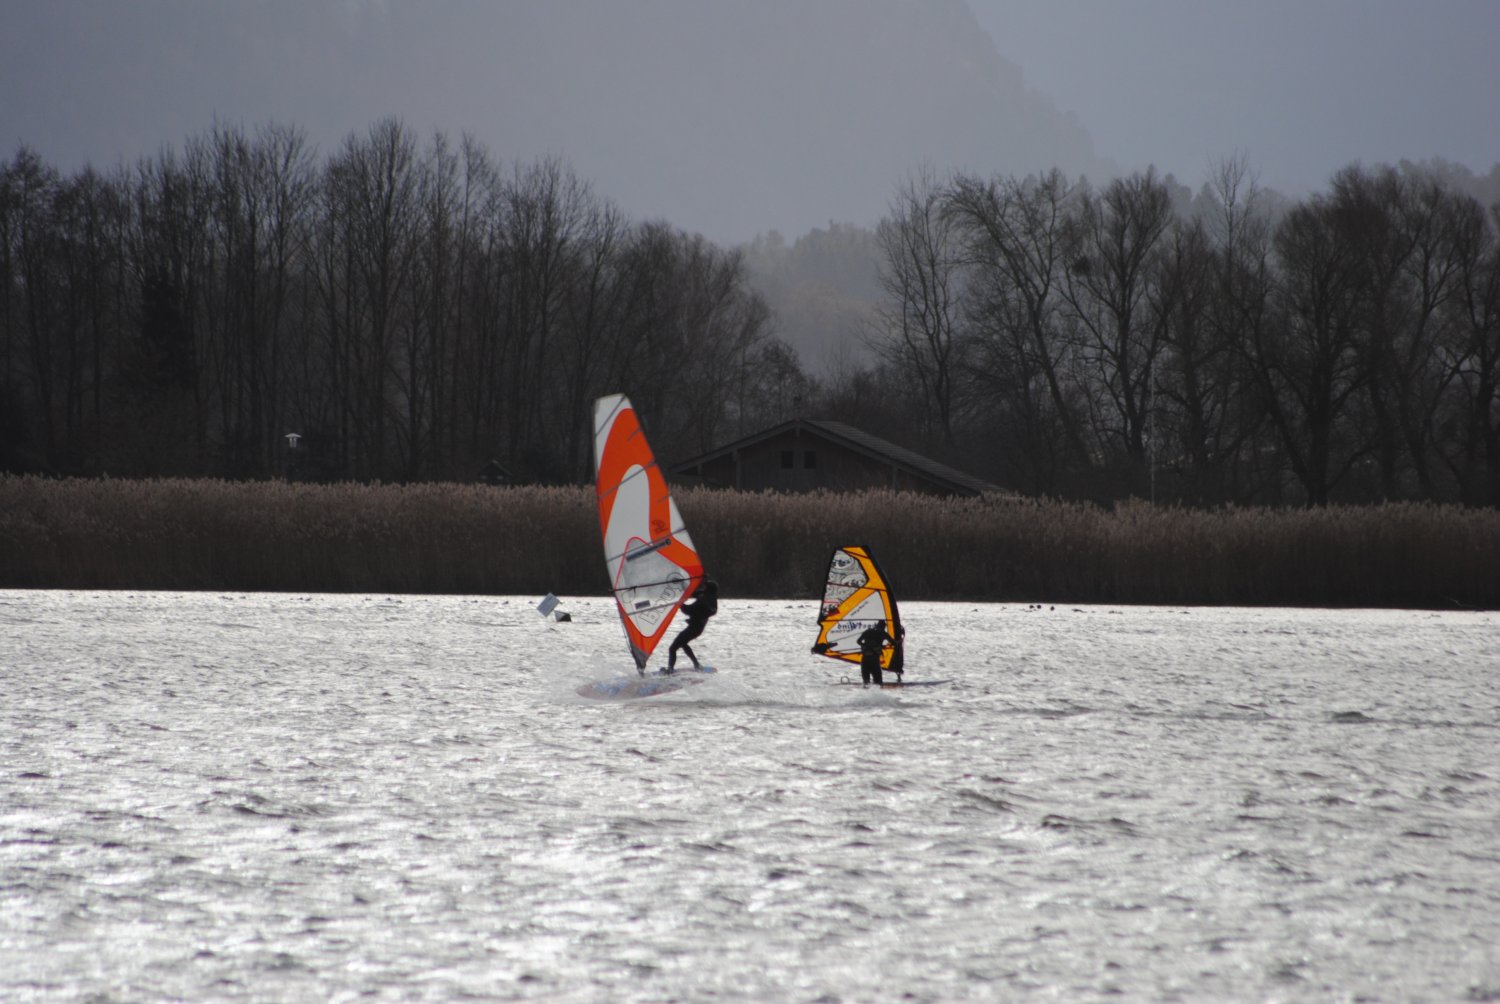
[(495, 473), (858, 441)]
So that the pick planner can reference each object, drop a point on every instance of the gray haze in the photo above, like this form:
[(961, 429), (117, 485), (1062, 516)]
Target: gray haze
[(1303, 87), (738, 118)]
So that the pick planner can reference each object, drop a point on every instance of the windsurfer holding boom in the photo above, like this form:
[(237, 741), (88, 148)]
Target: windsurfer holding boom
[(703, 604), (871, 641)]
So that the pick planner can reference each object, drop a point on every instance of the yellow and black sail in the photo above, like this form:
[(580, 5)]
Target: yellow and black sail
[(856, 596)]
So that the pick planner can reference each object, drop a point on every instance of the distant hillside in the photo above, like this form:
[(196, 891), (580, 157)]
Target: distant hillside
[(823, 290)]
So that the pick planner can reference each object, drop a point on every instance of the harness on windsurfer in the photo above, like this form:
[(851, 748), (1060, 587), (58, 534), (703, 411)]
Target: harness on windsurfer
[(703, 604)]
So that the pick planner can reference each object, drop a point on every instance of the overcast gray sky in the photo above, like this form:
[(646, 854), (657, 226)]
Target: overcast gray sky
[(732, 117), (1303, 86)]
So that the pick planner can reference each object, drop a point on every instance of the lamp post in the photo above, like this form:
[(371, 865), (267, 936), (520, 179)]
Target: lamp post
[(294, 455)]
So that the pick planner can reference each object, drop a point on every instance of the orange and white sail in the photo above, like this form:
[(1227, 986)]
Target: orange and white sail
[(856, 595), (653, 566)]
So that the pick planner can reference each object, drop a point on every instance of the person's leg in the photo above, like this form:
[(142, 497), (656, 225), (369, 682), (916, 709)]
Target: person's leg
[(681, 642)]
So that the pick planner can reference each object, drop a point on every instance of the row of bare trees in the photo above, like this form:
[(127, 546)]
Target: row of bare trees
[(413, 310), (408, 307), (1131, 340)]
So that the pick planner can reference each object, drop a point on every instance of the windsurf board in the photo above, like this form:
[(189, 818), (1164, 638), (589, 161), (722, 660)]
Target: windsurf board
[(654, 683), (627, 688), (683, 671)]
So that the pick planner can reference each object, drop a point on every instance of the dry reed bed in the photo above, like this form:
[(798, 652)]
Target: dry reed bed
[(446, 538)]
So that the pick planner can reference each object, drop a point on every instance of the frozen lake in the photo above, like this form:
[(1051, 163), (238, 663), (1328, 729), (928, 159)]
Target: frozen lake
[(313, 798)]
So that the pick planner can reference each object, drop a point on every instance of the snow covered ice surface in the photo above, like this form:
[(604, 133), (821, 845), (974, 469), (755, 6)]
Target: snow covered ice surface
[(311, 797)]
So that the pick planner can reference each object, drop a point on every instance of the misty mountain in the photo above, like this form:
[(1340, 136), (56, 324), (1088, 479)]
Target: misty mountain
[(823, 290), (727, 119)]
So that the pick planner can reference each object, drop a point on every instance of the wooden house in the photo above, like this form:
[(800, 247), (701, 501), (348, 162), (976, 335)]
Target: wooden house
[(806, 454), (495, 473)]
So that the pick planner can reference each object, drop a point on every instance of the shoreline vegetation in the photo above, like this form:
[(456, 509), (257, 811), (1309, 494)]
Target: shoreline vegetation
[(276, 536)]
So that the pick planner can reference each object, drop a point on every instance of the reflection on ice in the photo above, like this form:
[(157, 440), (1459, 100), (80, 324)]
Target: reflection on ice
[(312, 797)]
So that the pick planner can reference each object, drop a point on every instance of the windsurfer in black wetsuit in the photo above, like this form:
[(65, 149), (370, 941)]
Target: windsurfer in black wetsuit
[(703, 605), (871, 640)]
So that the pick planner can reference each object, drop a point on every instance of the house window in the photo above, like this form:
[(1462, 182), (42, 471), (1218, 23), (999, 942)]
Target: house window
[(809, 459), (786, 459)]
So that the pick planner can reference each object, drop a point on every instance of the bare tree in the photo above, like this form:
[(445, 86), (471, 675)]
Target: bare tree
[(592, 342), (483, 266), (1307, 361), (1187, 405), (1404, 228), (424, 360), (167, 396), (31, 190), (1470, 447), (1210, 293), (546, 208), (370, 220), (1014, 249), (256, 232), (723, 327), (922, 276), (1114, 242), (13, 412)]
